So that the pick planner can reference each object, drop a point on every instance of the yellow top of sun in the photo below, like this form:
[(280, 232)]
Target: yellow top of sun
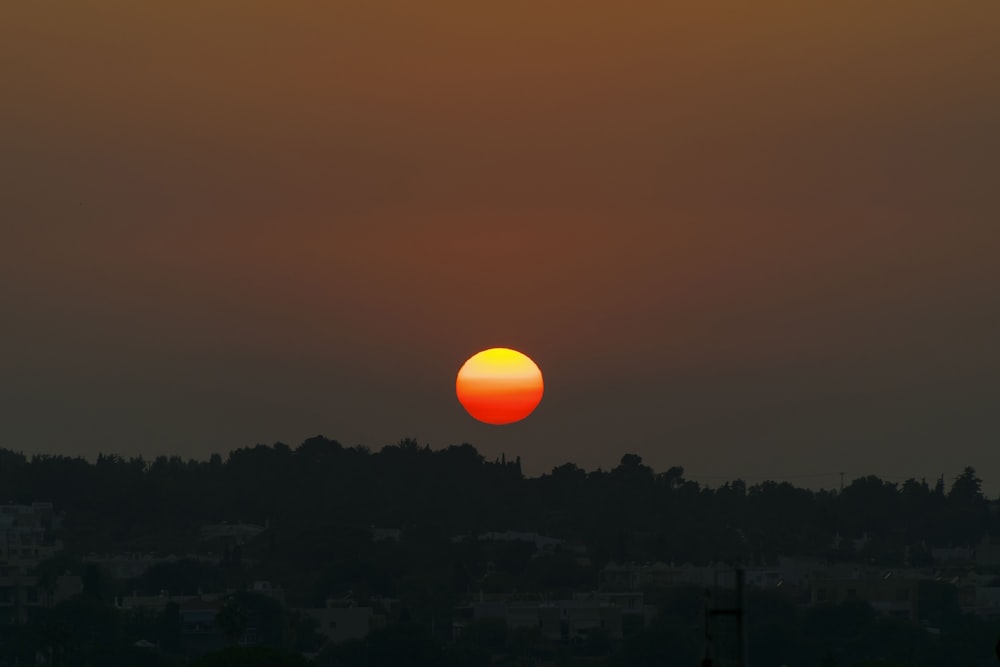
[(499, 362)]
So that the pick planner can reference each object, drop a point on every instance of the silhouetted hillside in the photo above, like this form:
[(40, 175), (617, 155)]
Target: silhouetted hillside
[(186, 557)]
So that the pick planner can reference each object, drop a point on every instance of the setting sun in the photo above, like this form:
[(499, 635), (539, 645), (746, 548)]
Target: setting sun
[(499, 386)]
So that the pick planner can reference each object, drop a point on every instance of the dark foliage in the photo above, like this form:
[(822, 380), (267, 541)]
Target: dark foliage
[(320, 501), (250, 657)]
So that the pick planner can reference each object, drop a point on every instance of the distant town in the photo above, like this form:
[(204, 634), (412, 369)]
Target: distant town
[(330, 555)]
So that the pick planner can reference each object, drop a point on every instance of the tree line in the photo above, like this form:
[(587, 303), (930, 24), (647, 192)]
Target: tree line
[(319, 502), (628, 513)]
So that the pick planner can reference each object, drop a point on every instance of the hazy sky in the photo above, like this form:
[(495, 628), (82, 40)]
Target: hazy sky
[(756, 239)]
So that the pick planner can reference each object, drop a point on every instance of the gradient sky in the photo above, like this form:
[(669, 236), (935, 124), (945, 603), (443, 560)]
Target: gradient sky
[(752, 239)]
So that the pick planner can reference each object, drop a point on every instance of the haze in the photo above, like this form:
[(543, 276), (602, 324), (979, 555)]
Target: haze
[(759, 242)]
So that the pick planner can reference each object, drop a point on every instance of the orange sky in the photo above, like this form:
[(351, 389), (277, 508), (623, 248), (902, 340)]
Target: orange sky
[(758, 241)]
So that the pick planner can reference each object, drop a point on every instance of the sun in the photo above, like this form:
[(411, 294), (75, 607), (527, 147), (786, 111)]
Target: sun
[(499, 386)]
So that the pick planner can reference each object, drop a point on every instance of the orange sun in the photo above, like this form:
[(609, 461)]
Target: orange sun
[(499, 386)]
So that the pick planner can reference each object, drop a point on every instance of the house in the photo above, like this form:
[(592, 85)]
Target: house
[(266, 588), (26, 534), (386, 534), (25, 542), (199, 631), (339, 624), (887, 594), (988, 551), (21, 594), (556, 620), (618, 577), (987, 600), (127, 565), (198, 615), (150, 603), (541, 542), (953, 555), (231, 533)]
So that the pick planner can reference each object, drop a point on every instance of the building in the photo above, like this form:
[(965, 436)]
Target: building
[(618, 577), (267, 589), (339, 624), (26, 534), (988, 551), (386, 534), (231, 533), (987, 600), (21, 595), (888, 595), (541, 542), (26, 541), (953, 555), (128, 565), (342, 620), (789, 575), (153, 603), (200, 633), (556, 620)]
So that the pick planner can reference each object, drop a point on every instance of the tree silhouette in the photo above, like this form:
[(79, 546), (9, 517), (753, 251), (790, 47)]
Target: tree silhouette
[(232, 620), (315, 507), (169, 627)]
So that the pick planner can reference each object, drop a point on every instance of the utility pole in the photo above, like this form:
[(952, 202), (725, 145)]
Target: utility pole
[(841, 482)]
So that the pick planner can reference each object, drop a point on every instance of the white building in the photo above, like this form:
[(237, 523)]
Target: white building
[(236, 533), (541, 542), (25, 542), (556, 620), (339, 624), (128, 565)]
